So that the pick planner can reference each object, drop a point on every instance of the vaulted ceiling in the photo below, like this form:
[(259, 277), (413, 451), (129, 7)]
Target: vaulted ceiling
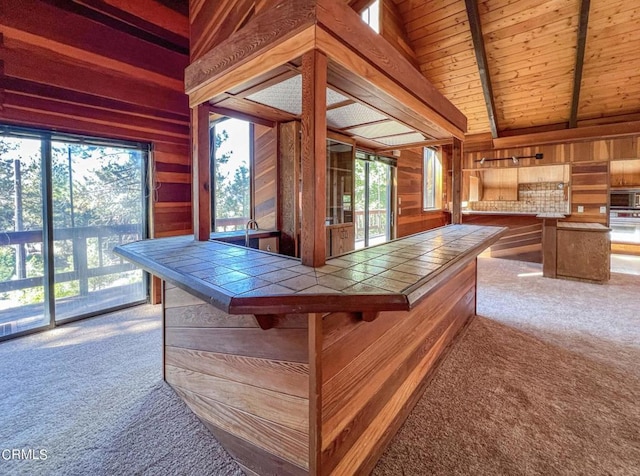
[(529, 63)]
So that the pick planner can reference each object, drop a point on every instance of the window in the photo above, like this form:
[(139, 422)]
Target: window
[(371, 16), (230, 169), (432, 184)]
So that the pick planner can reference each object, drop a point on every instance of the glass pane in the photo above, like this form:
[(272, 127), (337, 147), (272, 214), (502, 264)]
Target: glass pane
[(339, 183), (232, 198), (379, 194), (97, 203), (360, 202), (21, 257)]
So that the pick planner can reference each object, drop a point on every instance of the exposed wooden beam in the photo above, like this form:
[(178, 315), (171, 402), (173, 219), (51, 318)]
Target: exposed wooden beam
[(481, 58), (360, 5), (425, 143), (314, 159), (242, 116), (569, 135), (577, 76)]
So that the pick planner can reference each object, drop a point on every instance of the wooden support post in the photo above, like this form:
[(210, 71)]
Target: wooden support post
[(201, 166), (456, 174), (314, 158)]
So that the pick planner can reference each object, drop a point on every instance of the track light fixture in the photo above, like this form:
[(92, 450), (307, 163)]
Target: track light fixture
[(514, 158)]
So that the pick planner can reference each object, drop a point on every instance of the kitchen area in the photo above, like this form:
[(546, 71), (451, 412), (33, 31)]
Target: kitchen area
[(624, 215)]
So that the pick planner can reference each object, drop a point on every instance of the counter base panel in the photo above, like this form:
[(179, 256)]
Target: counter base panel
[(249, 386), (373, 373)]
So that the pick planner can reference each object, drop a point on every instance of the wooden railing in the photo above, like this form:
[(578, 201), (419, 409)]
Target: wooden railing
[(231, 224), (377, 223), (81, 272)]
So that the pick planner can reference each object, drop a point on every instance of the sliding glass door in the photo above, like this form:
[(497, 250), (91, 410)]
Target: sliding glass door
[(374, 210), (67, 202), (22, 288)]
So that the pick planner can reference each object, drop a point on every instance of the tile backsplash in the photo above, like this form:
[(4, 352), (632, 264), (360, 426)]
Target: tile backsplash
[(538, 197)]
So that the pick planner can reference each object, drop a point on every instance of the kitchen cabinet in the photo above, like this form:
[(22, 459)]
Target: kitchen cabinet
[(500, 184), (625, 173), (340, 181), (543, 173), (340, 239)]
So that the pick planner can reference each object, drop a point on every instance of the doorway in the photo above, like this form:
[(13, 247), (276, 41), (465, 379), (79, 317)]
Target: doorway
[(373, 199)]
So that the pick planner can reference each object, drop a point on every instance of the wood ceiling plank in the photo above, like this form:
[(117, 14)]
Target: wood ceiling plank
[(428, 55), (495, 31), (440, 21), (508, 13)]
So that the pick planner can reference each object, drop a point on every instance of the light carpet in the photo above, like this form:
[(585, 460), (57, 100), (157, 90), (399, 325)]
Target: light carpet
[(545, 382)]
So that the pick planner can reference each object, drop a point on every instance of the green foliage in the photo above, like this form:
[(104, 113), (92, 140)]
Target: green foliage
[(232, 197)]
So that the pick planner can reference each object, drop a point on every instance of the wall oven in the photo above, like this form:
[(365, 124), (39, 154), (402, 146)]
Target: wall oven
[(625, 226), (624, 199)]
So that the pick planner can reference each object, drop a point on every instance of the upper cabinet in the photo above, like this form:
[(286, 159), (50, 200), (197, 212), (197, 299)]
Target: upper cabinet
[(625, 173), (543, 173), (340, 182), (500, 184)]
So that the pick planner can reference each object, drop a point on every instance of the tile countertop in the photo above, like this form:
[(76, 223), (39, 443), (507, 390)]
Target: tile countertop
[(239, 280)]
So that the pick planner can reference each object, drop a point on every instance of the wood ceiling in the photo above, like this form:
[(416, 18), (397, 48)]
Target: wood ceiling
[(530, 65), (536, 68)]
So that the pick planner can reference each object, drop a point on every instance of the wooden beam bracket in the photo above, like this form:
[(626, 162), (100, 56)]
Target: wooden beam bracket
[(267, 321), (368, 316)]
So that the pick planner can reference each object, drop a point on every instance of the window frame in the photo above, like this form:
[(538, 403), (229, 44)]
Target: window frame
[(212, 167), (434, 157)]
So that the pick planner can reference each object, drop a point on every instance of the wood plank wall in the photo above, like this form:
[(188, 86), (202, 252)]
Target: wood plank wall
[(249, 386), (393, 30), (411, 218), (523, 241), (107, 69), (265, 176), (374, 372), (590, 190)]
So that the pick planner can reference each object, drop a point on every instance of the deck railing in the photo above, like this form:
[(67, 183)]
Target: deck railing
[(106, 237)]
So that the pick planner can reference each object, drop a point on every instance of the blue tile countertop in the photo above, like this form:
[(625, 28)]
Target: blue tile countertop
[(239, 280)]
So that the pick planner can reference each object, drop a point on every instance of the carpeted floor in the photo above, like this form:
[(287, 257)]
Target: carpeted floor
[(547, 381)]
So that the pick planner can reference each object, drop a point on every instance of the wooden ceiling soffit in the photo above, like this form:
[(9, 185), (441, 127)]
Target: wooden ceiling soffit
[(345, 24), (577, 76), (426, 143), (481, 59), (273, 37), (363, 61), (569, 135)]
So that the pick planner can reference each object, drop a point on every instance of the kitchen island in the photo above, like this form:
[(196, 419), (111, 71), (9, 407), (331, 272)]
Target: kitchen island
[(300, 370)]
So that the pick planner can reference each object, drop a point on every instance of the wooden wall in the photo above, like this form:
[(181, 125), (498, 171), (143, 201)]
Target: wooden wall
[(249, 386), (590, 190), (265, 176), (95, 68), (523, 241), (393, 30), (374, 372), (411, 218)]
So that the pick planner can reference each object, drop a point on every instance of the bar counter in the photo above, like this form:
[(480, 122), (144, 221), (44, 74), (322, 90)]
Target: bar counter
[(300, 370)]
